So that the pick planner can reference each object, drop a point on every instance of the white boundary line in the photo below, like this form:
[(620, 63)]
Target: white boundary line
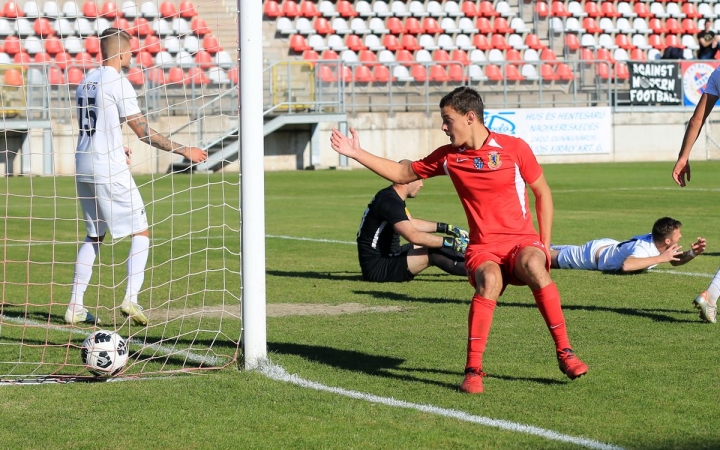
[(280, 374)]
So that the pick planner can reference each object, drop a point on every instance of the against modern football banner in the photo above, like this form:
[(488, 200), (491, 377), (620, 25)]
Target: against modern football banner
[(654, 83)]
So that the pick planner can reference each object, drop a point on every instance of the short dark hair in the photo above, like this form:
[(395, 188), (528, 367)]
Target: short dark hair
[(109, 37), (463, 100), (664, 227)]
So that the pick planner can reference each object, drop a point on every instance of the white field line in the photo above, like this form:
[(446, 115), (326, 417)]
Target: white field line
[(280, 374), (158, 348)]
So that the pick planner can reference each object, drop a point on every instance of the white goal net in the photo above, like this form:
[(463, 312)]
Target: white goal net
[(185, 74)]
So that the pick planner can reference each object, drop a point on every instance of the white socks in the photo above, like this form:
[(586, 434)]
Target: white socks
[(714, 289), (137, 259), (83, 271)]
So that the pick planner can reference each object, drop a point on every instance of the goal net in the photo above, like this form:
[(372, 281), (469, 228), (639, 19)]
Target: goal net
[(185, 73)]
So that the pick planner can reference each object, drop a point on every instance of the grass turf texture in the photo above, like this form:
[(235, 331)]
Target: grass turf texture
[(653, 365)]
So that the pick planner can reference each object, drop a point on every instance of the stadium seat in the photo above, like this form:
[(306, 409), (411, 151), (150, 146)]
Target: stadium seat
[(542, 9), (271, 9), (518, 24), (70, 10), (89, 9), (363, 74), (395, 26), (607, 25), (92, 45), (688, 27), (62, 60), (495, 55), (477, 56), (73, 45), (130, 11), (658, 10), (688, 41), (503, 8), (452, 9), (172, 44), (64, 27), (345, 9), (156, 76), (438, 74), (357, 26), (401, 74), (141, 27), (289, 9), (353, 42), (456, 73), (469, 8), (203, 60), (572, 25), (427, 42), (604, 55), (608, 10), (390, 42), (149, 10), (413, 26), (656, 26), (283, 25), (211, 44), (55, 76), (513, 55), (641, 9), (83, 27), (12, 45), (175, 76), (500, 25), (386, 57), (196, 76), (620, 54), (135, 76), (363, 8), (475, 73), (423, 56), (84, 60), (547, 72), (31, 9), (673, 10), (110, 10), (548, 55), (655, 41), (557, 9), (13, 77), (329, 55), (199, 26), (622, 41), (449, 25), (11, 10), (483, 25), (533, 41), (564, 72), (621, 71), (310, 55), (513, 74), (418, 73), (445, 42), (22, 58), (571, 42), (377, 26), (481, 42), (461, 56), (434, 9), (672, 40), (576, 9), (430, 25), (462, 41), (164, 60), (23, 28), (441, 56), (181, 27), (101, 24), (591, 26), (706, 11), (556, 25), (224, 60), (592, 10), (144, 59), (134, 45), (42, 57), (75, 75), (322, 26), (367, 57), (486, 9), (335, 42), (588, 41), (33, 45), (623, 26), (217, 76), (640, 25), (381, 9), (498, 41), (327, 9), (640, 42), (409, 42)]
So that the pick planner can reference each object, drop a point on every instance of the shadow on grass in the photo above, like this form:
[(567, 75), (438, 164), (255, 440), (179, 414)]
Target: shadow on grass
[(384, 295), (658, 315), (357, 276), (380, 366)]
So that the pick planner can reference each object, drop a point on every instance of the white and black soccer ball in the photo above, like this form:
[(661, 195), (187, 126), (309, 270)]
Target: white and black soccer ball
[(104, 353)]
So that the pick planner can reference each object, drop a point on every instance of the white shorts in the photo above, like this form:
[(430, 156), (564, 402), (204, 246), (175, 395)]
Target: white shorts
[(116, 207), (582, 257)]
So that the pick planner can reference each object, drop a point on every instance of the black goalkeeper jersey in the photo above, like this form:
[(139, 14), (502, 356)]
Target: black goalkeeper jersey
[(376, 235)]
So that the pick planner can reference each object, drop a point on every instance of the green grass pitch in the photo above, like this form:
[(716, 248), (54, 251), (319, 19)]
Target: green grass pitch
[(653, 364)]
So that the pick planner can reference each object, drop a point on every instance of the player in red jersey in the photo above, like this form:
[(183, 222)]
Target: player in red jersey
[(490, 172)]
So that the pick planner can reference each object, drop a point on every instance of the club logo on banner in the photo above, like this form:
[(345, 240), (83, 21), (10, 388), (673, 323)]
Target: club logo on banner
[(694, 79), (654, 83)]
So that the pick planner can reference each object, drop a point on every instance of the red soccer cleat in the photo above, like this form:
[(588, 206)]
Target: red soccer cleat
[(570, 364), (472, 384)]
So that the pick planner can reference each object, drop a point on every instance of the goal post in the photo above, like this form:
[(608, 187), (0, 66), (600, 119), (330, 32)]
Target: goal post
[(254, 339)]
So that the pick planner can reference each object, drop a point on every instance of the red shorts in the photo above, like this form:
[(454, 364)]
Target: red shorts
[(505, 255)]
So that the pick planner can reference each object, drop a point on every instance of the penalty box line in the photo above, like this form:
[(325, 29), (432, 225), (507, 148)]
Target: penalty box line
[(278, 373)]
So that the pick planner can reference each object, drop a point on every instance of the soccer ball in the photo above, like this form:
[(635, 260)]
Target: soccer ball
[(104, 353)]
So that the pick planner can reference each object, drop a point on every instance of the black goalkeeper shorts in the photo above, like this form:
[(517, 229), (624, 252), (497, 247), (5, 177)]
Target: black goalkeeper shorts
[(387, 269)]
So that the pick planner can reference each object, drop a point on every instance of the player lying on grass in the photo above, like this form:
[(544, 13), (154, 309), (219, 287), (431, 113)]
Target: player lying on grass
[(706, 301), (489, 172), (386, 218), (638, 253)]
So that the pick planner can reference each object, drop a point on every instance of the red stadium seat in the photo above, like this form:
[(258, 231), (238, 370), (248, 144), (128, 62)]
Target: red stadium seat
[(390, 42), (92, 45), (548, 55), (156, 76), (271, 9), (673, 26), (53, 45), (672, 40), (533, 42), (211, 44), (513, 55), (571, 42), (141, 27), (89, 9), (688, 25), (42, 57), (471, 10), (586, 54), (307, 9), (404, 57), (152, 45), (481, 42), (12, 45), (363, 75), (168, 11), (642, 10), (234, 74), (622, 41), (11, 10), (461, 56), (121, 23), (199, 26), (564, 72), (602, 70), (483, 25), (346, 9), (395, 25), (187, 10), (541, 9), (84, 60), (22, 58), (43, 28), (75, 75), (134, 45), (591, 26), (498, 41), (557, 9), (621, 71), (409, 42), (310, 55), (690, 11), (493, 73), (441, 56), (430, 25), (144, 59), (55, 76), (381, 74), (347, 75), (500, 25), (367, 57), (327, 75), (485, 9), (110, 10), (62, 60), (655, 40), (592, 9), (354, 43), (512, 73), (13, 77), (547, 72), (196, 76), (298, 43), (438, 74), (419, 73), (413, 26), (136, 76), (656, 26), (322, 26), (329, 55), (608, 10), (638, 54), (604, 55), (176, 75), (203, 59), (456, 73)]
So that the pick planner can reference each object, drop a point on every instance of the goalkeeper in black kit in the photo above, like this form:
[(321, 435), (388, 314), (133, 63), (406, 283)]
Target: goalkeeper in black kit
[(383, 259)]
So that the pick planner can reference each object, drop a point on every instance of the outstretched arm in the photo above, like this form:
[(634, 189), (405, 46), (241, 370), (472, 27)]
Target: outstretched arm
[(388, 169), (634, 263), (138, 123), (697, 248), (407, 230), (681, 171)]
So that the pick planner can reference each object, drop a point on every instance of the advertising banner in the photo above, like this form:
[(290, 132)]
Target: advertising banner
[(556, 131), (654, 83), (694, 78)]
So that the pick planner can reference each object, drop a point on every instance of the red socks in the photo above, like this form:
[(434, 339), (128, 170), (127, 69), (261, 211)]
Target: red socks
[(548, 302), (479, 322)]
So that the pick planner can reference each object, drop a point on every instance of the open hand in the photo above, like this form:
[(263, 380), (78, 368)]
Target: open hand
[(681, 171), (348, 146), (195, 154)]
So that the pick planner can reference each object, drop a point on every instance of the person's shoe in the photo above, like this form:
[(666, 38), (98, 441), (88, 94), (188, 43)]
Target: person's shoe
[(570, 364), (74, 316), (708, 310), (133, 311), (473, 384)]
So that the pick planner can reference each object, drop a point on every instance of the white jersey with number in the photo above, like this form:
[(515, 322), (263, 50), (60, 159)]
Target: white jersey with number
[(713, 85), (104, 97), (606, 254)]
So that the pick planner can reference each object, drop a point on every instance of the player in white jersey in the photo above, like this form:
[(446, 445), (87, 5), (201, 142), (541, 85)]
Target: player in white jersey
[(638, 253), (706, 301), (109, 198)]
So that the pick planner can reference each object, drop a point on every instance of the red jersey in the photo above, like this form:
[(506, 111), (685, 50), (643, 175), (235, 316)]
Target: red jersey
[(490, 182)]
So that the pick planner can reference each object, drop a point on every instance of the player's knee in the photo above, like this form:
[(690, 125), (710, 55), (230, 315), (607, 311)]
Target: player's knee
[(489, 281)]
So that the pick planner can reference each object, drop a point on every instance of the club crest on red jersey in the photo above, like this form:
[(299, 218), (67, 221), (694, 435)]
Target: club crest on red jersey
[(494, 160), (478, 163)]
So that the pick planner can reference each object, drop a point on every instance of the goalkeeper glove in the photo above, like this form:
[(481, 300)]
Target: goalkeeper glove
[(452, 230), (459, 244)]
